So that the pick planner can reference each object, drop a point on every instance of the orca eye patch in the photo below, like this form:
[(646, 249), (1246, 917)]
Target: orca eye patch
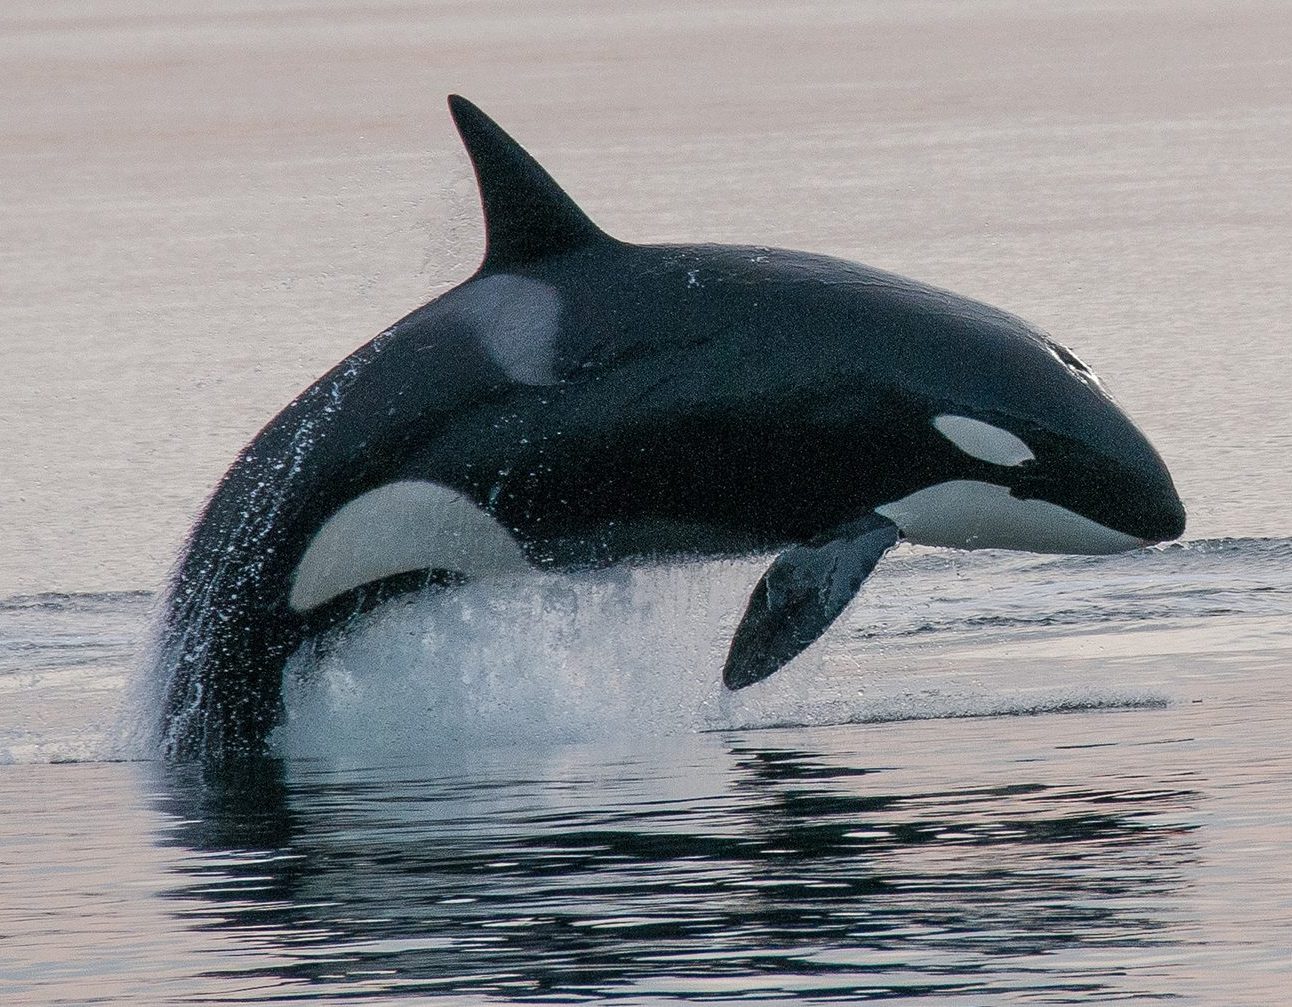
[(983, 441)]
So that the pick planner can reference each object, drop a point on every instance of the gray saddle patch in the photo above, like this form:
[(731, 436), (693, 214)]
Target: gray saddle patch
[(515, 320)]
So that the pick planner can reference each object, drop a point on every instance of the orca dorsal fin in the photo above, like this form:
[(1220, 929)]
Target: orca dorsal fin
[(526, 214)]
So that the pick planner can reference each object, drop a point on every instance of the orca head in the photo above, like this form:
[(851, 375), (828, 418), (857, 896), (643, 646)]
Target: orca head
[(1040, 458), (1095, 462)]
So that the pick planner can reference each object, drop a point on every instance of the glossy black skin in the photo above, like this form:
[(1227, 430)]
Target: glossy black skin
[(734, 399), (709, 401)]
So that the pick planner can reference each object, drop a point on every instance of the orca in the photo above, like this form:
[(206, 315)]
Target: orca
[(582, 401)]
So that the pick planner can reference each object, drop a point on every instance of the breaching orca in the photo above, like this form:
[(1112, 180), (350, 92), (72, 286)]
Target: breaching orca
[(581, 401)]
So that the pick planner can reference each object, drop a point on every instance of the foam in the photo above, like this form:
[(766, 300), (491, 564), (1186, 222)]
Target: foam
[(546, 659)]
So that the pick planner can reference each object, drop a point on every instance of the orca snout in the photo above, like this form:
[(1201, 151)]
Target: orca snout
[(1151, 507), (1148, 507), (1129, 492), (1162, 516)]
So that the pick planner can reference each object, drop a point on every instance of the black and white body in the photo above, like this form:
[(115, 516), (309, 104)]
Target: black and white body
[(581, 401)]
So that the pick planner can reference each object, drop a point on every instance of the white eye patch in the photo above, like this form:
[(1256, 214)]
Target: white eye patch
[(982, 440)]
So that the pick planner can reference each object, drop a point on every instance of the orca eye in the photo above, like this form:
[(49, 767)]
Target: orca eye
[(983, 441)]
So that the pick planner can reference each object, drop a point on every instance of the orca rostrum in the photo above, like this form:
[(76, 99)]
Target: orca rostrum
[(582, 401)]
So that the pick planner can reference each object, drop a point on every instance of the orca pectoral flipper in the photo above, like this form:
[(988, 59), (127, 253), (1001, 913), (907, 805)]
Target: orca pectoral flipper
[(801, 594)]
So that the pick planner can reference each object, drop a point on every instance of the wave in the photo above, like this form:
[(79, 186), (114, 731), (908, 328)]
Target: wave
[(977, 708), (60, 601), (42, 632), (951, 594)]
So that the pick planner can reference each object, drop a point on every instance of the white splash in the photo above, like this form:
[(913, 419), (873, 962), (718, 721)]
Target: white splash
[(541, 659)]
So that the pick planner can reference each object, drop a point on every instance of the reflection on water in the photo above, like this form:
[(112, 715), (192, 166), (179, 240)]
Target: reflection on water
[(724, 871)]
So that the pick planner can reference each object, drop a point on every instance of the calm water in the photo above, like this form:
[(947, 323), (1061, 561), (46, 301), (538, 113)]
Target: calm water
[(1002, 779)]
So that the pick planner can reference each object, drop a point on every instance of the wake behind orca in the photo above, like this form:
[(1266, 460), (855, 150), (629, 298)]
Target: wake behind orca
[(581, 401)]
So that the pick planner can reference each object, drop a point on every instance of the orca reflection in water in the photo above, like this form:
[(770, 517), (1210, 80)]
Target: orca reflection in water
[(581, 401)]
